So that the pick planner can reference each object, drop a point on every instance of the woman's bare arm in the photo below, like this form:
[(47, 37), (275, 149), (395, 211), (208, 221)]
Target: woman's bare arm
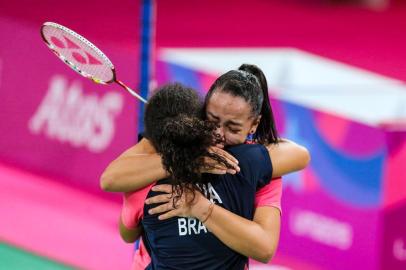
[(256, 239), (287, 157), (140, 166), (129, 235), (136, 168)]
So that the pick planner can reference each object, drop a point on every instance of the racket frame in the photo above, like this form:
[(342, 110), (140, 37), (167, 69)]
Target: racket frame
[(93, 47)]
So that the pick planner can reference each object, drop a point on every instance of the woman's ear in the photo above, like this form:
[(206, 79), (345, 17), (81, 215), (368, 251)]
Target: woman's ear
[(255, 124)]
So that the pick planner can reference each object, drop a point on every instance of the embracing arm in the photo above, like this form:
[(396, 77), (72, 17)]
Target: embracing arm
[(256, 239), (287, 157), (131, 214), (136, 168), (129, 235), (141, 165)]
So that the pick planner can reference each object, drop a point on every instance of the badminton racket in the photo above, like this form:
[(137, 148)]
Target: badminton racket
[(81, 55)]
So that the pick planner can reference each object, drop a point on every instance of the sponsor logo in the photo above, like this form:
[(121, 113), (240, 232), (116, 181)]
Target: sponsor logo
[(321, 229), (68, 115), (77, 52)]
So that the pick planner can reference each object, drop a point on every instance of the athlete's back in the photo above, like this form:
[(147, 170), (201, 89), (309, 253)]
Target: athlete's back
[(185, 243)]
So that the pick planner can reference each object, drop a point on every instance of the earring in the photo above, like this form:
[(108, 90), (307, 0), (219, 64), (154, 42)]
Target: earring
[(250, 138)]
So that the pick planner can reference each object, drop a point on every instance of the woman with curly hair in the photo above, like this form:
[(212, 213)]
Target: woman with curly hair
[(238, 103), (175, 128)]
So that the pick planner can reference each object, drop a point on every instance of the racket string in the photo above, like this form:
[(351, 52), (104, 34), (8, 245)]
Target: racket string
[(80, 54)]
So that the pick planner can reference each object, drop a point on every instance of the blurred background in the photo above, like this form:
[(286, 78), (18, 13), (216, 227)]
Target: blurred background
[(336, 71)]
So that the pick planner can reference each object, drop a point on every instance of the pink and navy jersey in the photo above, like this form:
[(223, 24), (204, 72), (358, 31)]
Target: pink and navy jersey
[(268, 196), (185, 243)]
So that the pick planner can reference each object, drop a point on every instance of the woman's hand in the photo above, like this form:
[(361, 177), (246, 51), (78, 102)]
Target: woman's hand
[(186, 205), (213, 166)]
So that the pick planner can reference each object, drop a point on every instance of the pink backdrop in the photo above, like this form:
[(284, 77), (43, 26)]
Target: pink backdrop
[(60, 130), (56, 122)]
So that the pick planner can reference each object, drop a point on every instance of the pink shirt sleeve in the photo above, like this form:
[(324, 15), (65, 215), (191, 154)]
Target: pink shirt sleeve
[(141, 258), (270, 195), (133, 207)]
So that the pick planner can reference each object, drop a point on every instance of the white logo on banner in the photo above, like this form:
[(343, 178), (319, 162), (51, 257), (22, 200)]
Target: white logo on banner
[(68, 115), (322, 229), (399, 250)]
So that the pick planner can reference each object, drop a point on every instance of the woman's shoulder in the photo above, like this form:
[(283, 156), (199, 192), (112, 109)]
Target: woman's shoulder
[(247, 152)]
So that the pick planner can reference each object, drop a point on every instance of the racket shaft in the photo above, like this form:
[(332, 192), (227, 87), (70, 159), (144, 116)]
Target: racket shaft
[(132, 92)]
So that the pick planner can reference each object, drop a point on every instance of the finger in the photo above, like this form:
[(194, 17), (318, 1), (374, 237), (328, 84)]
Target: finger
[(169, 214), (214, 168), (225, 154), (216, 171), (161, 208), (232, 161), (221, 171), (215, 165), (163, 188), (220, 145), (212, 163), (163, 198)]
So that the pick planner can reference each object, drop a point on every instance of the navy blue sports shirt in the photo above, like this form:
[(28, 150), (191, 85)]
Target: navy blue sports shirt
[(185, 243)]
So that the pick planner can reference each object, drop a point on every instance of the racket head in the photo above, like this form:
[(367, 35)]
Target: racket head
[(78, 53)]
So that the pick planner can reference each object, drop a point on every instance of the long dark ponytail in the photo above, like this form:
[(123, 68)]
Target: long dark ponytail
[(266, 131)]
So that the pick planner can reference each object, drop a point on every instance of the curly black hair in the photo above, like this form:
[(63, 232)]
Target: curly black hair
[(174, 125)]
